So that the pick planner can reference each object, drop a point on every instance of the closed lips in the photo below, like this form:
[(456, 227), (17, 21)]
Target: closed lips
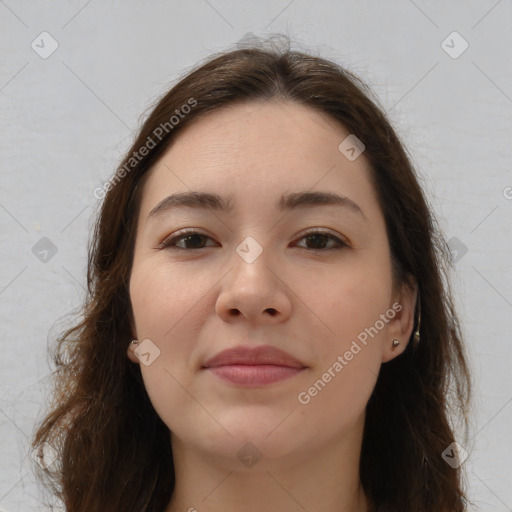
[(253, 367), (262, 355)]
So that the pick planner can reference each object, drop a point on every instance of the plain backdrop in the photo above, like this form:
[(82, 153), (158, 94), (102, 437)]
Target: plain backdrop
[(442, 71)]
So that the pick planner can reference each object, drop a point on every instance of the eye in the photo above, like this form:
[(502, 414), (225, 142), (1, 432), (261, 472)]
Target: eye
[(196, 240), (191, 236), (320, 239)]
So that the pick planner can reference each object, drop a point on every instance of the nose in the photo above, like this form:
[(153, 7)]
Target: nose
[(254, 290)]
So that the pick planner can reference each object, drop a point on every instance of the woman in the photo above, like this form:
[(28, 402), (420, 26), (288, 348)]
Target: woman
[(268, 326)]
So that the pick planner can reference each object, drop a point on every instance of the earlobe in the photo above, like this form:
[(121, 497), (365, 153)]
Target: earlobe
[(400, 328), (131, 351)]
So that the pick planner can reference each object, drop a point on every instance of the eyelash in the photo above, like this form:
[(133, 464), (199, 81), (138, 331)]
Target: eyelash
[(169, 243)]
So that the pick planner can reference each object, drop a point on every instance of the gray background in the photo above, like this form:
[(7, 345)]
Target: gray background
[(67, 119)]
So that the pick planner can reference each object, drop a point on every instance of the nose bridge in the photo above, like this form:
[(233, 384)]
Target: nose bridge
[(253, 287), (251, 263)]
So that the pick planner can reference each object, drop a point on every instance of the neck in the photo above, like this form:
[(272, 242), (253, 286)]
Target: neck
[(322, 478)]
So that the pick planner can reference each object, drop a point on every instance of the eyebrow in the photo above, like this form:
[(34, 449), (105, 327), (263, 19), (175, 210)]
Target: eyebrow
[(293, 201)]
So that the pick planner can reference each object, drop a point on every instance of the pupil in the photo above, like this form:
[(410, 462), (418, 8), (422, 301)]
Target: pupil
[(317, 238), (196, 237)]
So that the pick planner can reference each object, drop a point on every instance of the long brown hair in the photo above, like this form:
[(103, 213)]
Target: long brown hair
[(114, 452)]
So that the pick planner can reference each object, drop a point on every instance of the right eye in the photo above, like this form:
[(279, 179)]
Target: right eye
[(191, 237)]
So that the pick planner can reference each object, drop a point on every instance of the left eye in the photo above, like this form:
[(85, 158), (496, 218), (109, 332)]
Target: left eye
[(318, 238), (321, 238)]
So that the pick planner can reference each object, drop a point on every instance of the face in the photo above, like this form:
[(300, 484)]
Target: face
[(311, 278)]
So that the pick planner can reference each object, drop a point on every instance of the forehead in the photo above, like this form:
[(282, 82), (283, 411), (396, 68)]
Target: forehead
[(263, 129), (255, 152)]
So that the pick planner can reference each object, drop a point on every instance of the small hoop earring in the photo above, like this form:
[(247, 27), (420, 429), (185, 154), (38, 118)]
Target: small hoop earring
[(134, 342), (395, 343)]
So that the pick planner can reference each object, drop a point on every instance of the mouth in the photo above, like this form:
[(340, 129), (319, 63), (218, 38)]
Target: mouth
[(254, 367)]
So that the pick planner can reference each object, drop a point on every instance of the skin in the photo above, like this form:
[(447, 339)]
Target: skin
[(193, 303)]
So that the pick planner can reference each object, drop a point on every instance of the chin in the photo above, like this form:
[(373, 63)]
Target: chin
[(250, 450)]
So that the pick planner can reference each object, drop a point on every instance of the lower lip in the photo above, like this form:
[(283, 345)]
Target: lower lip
[(254, 375)]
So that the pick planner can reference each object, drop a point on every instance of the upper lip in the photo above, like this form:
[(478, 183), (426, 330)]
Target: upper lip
[(264, 354)]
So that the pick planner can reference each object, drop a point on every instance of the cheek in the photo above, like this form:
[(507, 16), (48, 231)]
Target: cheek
[(169, 307), (161, 296), (348, 301), (162, 305), (348, 347)]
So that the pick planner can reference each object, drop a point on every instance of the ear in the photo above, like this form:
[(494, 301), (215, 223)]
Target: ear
[(402, 324), (130, 352)]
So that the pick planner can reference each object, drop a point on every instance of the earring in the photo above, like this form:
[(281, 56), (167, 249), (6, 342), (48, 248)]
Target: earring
[(134, 342), (395, 343)]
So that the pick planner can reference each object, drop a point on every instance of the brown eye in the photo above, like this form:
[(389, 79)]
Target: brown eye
[(319, 240), (191, 239)]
